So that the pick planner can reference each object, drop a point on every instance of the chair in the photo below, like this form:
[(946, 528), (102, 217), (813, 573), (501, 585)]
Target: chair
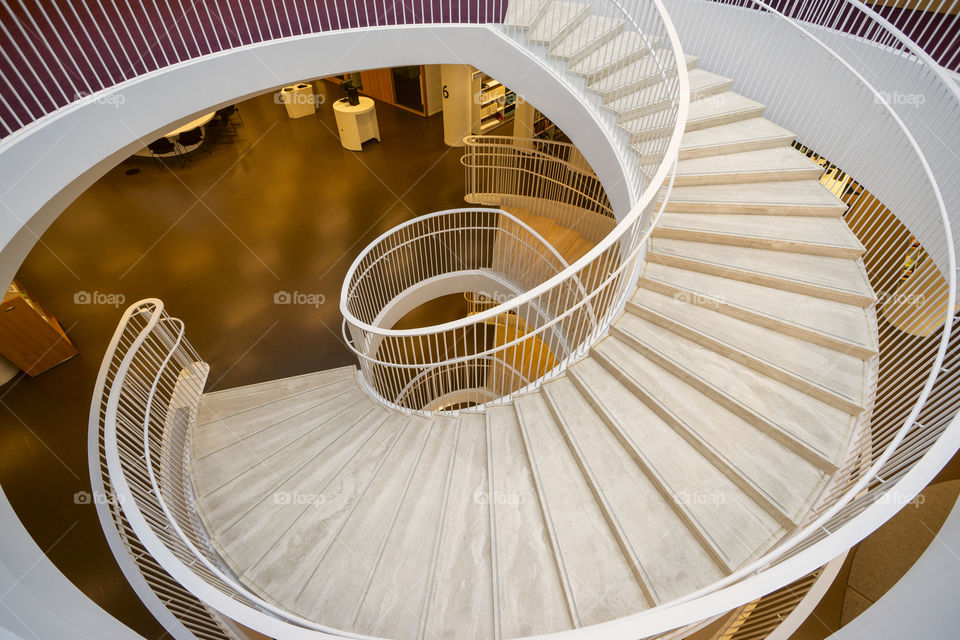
[(223, 123), (191, 138), (227, 113), (165, 147)]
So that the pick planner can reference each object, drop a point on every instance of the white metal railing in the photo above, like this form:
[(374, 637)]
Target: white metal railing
[(457, 244), (544, 178), (165, 596)]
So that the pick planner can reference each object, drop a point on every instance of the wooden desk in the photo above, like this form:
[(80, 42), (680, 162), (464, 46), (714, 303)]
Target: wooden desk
[(30, 337)]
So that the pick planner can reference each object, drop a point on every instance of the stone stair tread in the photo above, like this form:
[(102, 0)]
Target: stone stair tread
[(835, 320), (670, 556), (528, 591), (235, 428), (602, 586), (559, 17), (733, 137), (822, 273), (522, 13), (827, 233), (464, 544), (407, 557), (752, 459), (586, 34), (842, 374), (736, 524), (353, 555), (719, 109), (294, 538), (632, 73), (625, 46), (776, 163), (820, 427), (701, 81), (215, 404), (792, 197)]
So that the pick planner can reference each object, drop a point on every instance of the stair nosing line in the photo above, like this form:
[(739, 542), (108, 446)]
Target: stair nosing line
[(572, 610), (692, 522), (356, 503), (431, 585), (252, 385), (494, 550), (393, 522), (613, 522)]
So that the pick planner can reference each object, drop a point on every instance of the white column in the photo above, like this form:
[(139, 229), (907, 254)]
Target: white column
[(455, 87)]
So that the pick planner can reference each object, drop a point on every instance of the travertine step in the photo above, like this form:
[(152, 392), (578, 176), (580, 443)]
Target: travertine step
[(666, 555), (637, 74), (220, 404), (529, 597), (621, 49), (831, 376), (840, 326), (523, 13), (734, 137), (770, 474), (702, 84), (464, 545), (710, 111), (407, 556), (774, 164), (818, 236), (589, 34), (597, 576), (557, 20), (793, 198), (837, 279), (725, 518)]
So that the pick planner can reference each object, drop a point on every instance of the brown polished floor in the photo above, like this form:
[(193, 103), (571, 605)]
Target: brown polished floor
[(282, 208)]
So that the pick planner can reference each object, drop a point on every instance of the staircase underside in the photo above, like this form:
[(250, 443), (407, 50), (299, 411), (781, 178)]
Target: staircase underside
[(690, 440)]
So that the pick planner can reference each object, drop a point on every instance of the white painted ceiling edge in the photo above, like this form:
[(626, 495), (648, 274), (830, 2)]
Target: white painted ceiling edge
[(49, 163), (45, 166)]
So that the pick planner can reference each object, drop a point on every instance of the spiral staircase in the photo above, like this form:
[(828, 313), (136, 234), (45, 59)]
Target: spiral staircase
[(679, 408)]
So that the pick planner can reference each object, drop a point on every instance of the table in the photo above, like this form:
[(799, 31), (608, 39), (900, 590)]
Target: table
[(356, 123), (172, 135)]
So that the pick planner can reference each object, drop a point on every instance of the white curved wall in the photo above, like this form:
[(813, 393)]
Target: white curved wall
[(44, 167)]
